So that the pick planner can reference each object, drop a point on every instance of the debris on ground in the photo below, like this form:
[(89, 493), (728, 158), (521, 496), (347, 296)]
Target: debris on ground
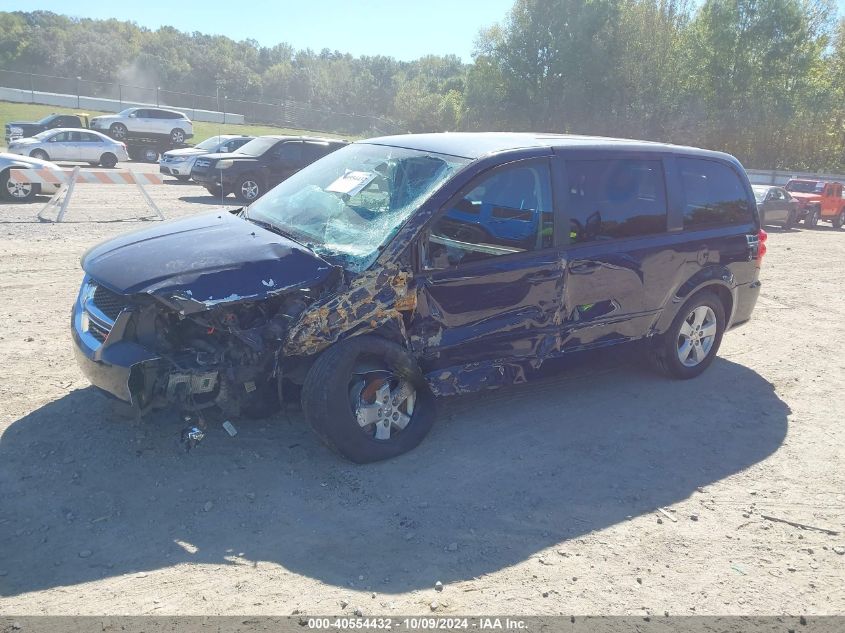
[(803, 526), (438, 586), (230, 428)]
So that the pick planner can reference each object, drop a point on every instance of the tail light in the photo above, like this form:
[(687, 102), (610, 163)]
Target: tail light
[(762, 236)]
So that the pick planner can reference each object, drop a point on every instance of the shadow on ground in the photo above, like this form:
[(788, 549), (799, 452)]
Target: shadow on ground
[(503, 474)]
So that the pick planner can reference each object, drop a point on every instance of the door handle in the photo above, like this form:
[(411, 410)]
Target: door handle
[(546, 276), (583, 266)]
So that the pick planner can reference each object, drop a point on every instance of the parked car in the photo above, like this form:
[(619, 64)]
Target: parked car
[(180, 162), (259, 165), (819, 200), (72, 145), (347, 280), (145, 122), (13, 191), (776, 206), (23, 129)]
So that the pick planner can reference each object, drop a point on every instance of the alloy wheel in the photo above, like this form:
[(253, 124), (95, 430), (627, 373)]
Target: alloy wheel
[(18, 190), (696, 337), (382, 402), (249, 189)]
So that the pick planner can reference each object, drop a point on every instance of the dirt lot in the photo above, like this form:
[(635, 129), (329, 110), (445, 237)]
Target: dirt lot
[(536, 499)]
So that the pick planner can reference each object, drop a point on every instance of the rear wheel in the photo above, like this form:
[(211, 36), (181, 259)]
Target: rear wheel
[(39, 154), (693, 339), (108, 160), (177, 136), (16, 191), (839, 220), (183, 178), (388, 408)]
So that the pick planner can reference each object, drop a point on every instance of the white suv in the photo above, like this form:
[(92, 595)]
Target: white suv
[(154, 122)]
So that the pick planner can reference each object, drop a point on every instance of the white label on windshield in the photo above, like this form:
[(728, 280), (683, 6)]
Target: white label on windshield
[(351, 182)]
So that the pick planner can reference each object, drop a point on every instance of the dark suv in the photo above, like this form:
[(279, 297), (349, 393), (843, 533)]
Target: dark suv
[(259, 165), (357, 280)]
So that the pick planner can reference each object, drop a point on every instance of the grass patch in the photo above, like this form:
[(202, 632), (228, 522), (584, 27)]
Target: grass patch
[(32, 112)]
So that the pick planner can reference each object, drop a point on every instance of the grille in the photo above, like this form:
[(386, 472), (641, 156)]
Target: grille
[(109, 303), (97, 331)]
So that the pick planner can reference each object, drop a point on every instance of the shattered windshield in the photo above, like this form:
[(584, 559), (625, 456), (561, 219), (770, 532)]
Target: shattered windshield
[(349, 203)]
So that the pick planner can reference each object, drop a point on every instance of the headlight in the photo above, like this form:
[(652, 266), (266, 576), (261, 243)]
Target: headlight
[(15, 130), (86, 291), (224, 164), (178, 159)]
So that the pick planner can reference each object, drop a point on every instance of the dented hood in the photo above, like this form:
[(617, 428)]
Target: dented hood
[(204, 260)]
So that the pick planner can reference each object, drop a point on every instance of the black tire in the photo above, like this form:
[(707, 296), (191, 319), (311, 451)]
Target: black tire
[(39, 154), (16, 192), (839, 220), (108, 160), (215, 190), (666, 350), (812, 219), (249, 188), (183, 178), (118, 131), (177, 136), (327, 404)]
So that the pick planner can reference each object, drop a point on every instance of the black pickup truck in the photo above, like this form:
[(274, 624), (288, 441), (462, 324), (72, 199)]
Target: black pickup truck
[(18, 129)]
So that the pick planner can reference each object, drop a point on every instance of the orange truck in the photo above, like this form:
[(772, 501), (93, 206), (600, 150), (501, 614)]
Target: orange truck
[(818, 201)]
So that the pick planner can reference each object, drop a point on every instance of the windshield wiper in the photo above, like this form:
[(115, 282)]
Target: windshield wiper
[(275, 229)]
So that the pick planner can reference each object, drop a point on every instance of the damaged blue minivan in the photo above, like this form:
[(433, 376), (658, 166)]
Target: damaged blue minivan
[(403, 268)]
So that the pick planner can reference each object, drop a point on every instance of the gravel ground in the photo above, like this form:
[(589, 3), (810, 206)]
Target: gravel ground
[(599, 488)]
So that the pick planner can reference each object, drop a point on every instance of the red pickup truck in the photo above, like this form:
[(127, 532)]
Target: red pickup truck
[(818, 200)]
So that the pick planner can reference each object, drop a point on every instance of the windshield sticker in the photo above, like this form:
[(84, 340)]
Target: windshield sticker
[(351, 182)]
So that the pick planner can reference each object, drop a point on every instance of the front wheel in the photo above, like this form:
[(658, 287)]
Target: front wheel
[(367, 399), (118, 131), (839, 220), (40, 154), (249, 188), (693, 339), (16, 191), (812, 218)]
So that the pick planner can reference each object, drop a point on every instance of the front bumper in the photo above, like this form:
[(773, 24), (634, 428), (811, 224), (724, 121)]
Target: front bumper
[(101, 353), (175, 169)]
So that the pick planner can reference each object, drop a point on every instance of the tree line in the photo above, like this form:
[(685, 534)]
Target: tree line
[(762, 79)]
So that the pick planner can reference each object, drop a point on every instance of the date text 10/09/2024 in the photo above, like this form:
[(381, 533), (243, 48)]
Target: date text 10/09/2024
[(419, 623)]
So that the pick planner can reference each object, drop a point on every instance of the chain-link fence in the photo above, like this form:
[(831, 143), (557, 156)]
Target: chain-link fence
[(282, 113)]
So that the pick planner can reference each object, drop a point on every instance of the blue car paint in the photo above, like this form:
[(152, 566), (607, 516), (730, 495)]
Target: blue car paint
[(484, 324)]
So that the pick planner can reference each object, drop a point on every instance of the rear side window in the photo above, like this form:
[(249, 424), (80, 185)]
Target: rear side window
[(290, 151), (313, 151), (615, 198), (714, 194)]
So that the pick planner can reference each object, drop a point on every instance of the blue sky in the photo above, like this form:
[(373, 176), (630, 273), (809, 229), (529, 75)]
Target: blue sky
[(405, 29)]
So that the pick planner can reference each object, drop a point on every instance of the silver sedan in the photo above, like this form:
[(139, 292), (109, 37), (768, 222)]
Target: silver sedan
[(72, 145)]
